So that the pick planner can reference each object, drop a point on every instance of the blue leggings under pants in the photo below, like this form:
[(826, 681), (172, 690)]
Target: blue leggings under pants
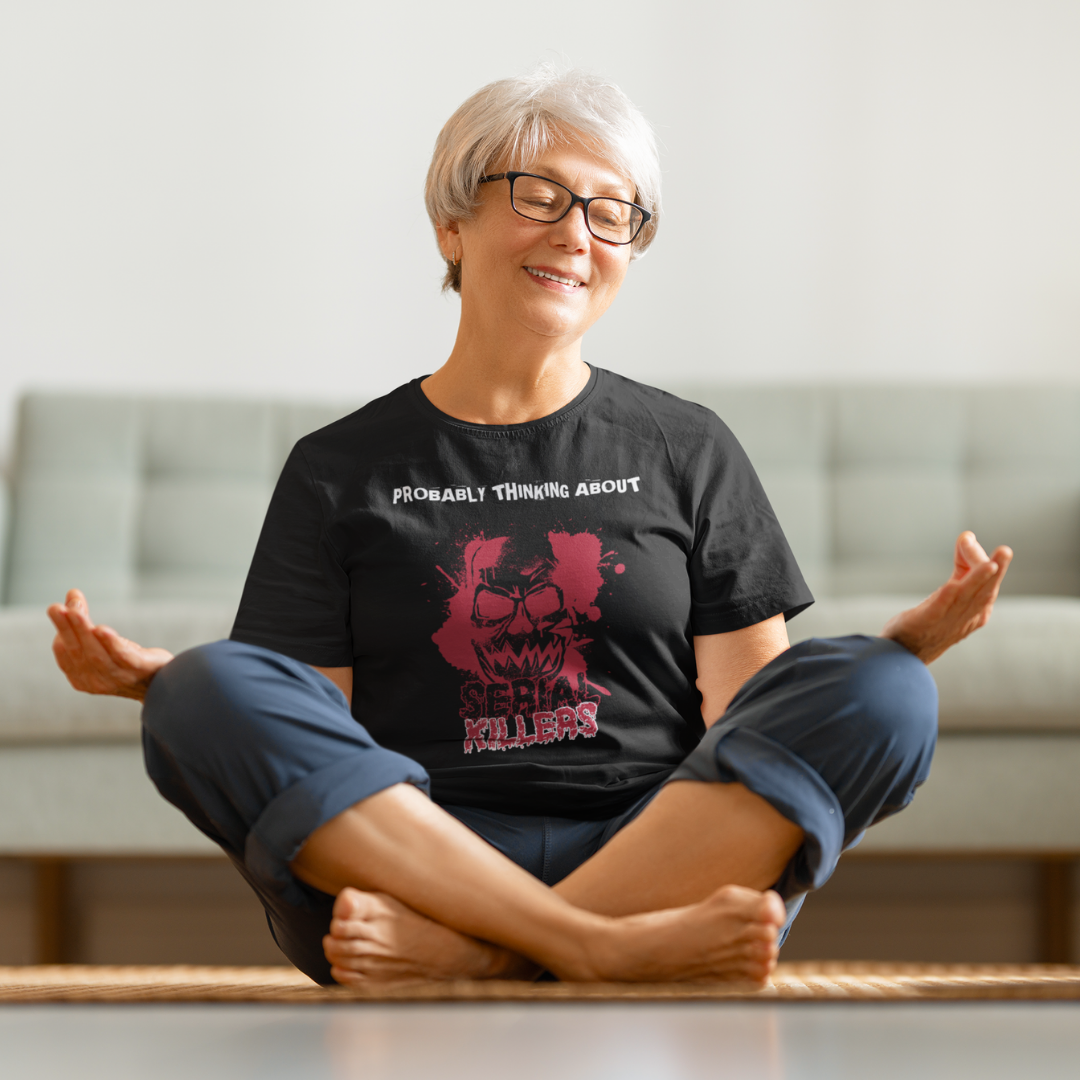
[(259, 750)]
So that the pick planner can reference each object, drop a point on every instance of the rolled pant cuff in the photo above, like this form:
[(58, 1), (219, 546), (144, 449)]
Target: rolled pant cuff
[(285, 825), (729, 753)]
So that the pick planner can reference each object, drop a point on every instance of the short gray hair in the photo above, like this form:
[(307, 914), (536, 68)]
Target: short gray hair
[(517, 119)]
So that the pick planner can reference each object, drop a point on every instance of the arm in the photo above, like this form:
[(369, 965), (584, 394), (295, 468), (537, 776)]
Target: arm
[(726, 661), (341, 677)]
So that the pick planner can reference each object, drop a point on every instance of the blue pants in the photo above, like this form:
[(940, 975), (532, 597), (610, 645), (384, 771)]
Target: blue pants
[(259, 750)]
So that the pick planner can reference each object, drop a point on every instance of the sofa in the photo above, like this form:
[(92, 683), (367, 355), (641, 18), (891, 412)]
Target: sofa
[(152, 506)]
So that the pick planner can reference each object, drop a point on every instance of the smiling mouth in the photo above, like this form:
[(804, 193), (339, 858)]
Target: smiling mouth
[(554, 277)]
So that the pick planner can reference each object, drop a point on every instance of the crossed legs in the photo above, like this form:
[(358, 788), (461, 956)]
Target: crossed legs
[(420, 894), (262, 754)]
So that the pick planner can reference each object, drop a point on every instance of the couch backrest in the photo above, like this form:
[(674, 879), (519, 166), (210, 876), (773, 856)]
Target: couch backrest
[(144, 498), (163, 498), (873, 484)]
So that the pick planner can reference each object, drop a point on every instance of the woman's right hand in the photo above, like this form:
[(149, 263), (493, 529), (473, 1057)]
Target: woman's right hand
[(96, 659)]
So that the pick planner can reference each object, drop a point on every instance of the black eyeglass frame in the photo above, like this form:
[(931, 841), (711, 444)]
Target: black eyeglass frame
[(574, 200)]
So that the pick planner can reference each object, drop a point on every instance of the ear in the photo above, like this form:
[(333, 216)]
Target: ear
[(449, 238)]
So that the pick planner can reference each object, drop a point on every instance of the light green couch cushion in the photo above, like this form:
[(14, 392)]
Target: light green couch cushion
[(985, 793), (145, 499), (75, 497), (1020, 672), (872, 484), (991, 793), (37, 705), (85, 799)]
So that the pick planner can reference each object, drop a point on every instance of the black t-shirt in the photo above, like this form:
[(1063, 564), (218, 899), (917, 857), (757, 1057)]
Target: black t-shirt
[(518, 602)]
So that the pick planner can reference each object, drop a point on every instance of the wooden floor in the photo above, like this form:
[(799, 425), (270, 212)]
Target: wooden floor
[(198, 911)]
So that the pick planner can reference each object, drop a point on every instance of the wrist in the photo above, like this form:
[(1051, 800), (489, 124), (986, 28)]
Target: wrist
[(140, 685), (138, 691), (917, 648)]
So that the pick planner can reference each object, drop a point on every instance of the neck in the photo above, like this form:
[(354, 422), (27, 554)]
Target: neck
[(486, 381)]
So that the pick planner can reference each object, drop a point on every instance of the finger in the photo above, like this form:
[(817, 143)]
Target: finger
[(61, 653), (68, 652), (79, 614), (958, 592), (57, 614), (975, 599), (998, 564), (77, 601), (92, 651), (969, 552), (1003, 556), (976, 587), (960, 562), (972, 548), (83, 630), (64, 630), (1001, 559), (982, 570), (76, 605)]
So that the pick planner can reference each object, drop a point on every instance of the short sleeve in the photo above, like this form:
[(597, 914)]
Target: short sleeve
[(296, 598), (742, 570)]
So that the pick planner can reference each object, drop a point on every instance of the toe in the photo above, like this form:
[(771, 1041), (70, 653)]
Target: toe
[(345, 948), (763, 951), (353, 906), (346, 903), (760, 908), (775, 910), (345, 976)]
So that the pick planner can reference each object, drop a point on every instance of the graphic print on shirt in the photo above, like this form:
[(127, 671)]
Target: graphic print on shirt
[(516, 629)]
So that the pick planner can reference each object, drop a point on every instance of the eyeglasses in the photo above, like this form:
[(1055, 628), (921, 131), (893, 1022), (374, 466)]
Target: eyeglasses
[(539, 199)]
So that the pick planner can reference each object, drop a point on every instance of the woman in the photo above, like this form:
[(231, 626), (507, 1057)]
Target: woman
[(555, 600)]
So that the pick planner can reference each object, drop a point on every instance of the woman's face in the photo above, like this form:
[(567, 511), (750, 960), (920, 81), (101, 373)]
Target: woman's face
[(504, 255)]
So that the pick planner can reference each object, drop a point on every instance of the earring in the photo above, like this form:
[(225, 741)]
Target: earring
[(453, 258)]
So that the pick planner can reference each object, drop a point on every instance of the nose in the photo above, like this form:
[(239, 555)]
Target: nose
[(520, 623), (571, 231)]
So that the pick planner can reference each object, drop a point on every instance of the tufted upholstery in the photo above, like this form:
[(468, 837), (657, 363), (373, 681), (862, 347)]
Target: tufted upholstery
[(872, 484), (163, 498), (144, 499)]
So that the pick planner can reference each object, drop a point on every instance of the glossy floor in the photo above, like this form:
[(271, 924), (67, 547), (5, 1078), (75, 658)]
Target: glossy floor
[(655, 1041)]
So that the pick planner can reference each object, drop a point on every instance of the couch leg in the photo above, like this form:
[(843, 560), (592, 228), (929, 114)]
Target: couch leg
[(1055, 910), (52, 911)]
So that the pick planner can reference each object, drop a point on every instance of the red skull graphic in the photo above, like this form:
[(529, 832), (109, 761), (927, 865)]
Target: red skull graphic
[(514, 611)]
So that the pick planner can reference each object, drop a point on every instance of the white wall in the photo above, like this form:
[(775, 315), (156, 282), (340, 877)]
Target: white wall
[(224, 195)]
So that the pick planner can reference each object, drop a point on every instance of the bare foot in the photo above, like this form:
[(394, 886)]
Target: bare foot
[(375, 937), (730, 935)]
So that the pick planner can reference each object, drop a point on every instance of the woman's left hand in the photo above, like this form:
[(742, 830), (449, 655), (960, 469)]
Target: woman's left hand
[(960, 606)]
